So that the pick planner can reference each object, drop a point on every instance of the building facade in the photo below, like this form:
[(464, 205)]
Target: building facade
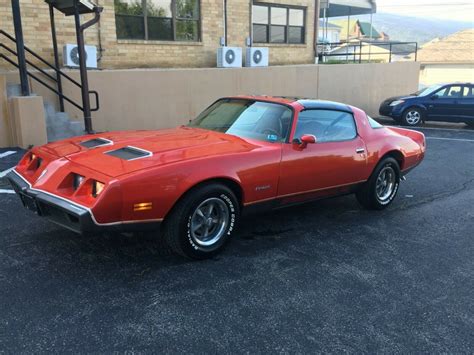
[(174, 33)]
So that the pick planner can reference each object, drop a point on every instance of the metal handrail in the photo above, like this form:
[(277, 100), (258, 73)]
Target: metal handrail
[(57, 70), (357, 49), (3, 56)]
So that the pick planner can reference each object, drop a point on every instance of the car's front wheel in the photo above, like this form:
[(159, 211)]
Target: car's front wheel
[(202, 222), (412, 117), (382, 187)]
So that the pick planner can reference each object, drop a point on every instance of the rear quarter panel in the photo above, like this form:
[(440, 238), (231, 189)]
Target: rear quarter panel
[(381, 141)]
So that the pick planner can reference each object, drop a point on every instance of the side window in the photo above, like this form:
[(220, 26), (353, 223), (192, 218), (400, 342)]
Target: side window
[(441, 92), (468, 92), (326, 125), (452, 92), (373, 123)]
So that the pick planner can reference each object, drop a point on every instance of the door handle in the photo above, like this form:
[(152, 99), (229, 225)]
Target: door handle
[(360, 150)]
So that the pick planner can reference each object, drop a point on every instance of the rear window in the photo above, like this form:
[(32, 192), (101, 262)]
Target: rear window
[(373, 123)]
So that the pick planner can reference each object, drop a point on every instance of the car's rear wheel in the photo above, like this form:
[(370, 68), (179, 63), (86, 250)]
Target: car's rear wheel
[(412, 117), (202, 222), (382, 187)]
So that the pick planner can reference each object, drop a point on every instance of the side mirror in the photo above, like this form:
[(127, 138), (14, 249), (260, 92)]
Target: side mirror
[(435, 97), (305, 140)]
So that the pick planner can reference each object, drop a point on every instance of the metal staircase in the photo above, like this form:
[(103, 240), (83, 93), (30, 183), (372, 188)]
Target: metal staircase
[(53, 78), (52, 81), (58, 124)]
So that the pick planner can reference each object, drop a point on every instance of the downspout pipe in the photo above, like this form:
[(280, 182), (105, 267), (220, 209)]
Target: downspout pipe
[(86, 106), (225, 22), (316, 28)]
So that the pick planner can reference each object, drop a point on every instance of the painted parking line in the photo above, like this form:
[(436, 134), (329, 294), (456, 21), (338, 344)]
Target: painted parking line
[(7, 153), (450, 139), (2, 191), (4, 173)]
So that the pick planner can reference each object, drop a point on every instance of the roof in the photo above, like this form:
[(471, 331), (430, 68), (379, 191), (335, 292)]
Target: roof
[(364, 28), (306, 103), (324, 105), (456, 48), (336, 8)]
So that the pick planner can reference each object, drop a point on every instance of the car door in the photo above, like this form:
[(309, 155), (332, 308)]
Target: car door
[(444, 104), (466, 104), (331, 165)]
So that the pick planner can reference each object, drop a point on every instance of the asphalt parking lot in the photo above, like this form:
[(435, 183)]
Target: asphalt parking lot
[(322, 277)]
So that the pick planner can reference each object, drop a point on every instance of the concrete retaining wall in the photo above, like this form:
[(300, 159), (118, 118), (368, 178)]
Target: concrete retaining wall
[(159, 98)]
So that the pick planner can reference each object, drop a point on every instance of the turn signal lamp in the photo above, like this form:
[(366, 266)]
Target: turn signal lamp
[(144, 206)]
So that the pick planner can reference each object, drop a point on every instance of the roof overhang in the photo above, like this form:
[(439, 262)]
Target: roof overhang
[(67, 6), (337, 8)]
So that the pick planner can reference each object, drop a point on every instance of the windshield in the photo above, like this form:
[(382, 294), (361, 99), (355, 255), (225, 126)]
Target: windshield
[(246, 119), (426, 91)]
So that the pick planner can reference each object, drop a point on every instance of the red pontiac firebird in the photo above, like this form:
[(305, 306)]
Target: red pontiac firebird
[(192, 183)]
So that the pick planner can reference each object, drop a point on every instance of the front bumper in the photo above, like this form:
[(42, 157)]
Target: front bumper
[(66, 214), (391, 111), (55, 209), (385, 110)]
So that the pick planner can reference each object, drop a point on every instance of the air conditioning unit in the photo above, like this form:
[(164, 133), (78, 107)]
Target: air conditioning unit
[(229, 57), (256, 57), (71, 56)]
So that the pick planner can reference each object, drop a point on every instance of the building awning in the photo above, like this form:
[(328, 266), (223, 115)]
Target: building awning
[(67, 6), (337, 8)]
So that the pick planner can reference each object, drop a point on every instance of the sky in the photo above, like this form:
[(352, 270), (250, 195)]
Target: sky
[(456, 10)]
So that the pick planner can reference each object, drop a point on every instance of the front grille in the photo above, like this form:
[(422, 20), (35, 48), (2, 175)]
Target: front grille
[(96, 142), (129, 153)]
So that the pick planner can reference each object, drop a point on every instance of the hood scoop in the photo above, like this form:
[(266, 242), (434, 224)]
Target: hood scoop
[(129, 153), (96, 142)]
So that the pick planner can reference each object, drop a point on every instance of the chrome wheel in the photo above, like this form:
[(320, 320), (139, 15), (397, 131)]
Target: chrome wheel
[(386, 182), (413, 117), (209, 222)]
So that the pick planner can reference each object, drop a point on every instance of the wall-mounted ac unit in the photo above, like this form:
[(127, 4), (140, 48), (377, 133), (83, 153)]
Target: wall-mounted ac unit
[(229, 57), (71, 56), (256, 57)]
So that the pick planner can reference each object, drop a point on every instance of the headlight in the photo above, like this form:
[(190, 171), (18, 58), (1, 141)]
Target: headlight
[(97, 188), (77, 181), (397, 102)]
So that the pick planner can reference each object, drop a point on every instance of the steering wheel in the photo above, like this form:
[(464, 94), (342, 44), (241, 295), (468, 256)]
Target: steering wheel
[(268, 131)]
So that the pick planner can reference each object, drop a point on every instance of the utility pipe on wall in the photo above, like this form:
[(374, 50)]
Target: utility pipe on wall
[(224, 5), (316, 28)]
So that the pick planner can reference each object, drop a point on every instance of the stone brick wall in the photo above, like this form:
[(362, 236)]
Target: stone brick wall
[(154, 54)]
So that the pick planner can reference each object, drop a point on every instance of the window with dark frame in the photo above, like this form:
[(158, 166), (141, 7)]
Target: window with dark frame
[(278, 24), (160, 20)]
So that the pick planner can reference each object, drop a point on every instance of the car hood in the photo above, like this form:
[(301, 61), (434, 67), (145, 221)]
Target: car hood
[(395, 98), (167, 146)]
